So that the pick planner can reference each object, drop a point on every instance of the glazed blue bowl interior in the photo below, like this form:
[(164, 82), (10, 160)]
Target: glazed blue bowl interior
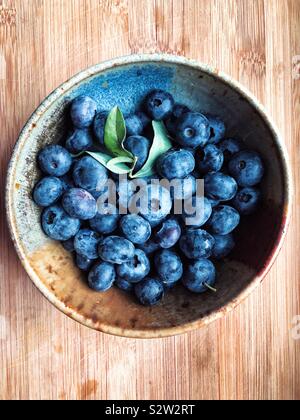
[(125, 84)]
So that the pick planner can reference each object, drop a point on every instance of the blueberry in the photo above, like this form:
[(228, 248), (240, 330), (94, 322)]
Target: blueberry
[(217, 129), (157, 204), (79, 203), (125, 191), (197, 212), (139, 146), (58, 225), (135, 228), (136, 269), (86, 243), (224, 220), (102, 277), (116, 250), (149, 291), (175, 164), (192, 130), (210, 159), (83, 111), (177, 112), (47, 191), (168, 266), (79, 141), (197, 243), (69, 245), (149, 247), (169, 233), (143, 118), (220, 186), (159, 105), (247, 200), (99, 126), (83, 263), (124, 285), (134, 126), (199, 275), (55, 160), (89, 174), (224, 244), (247, 168), (230, 147), (185, 188), (106, 220)]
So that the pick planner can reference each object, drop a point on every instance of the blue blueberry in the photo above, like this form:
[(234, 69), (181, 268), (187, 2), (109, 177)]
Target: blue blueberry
[(184, 189), (156, 204), (106, 220), (177, 112), (196, 243), (247, 168), (55, 160), (79, 141), (83, 263), (86, 243), (102, 276), (90, 174), (168, 266), (224, 220), (136, 269), (159, 105), (230, 147), (69, 245), (47, 191), (149, 292), (217, 129), (199, 275), (175, 164), (99, 126), (149, 247), (134, 126), (220, 186), (224, 244), (83, 111), (116, 250), (210, 159), (124, 285), (143, 118), (247, 200), (192, 130), (135, 228), (139, 146), (197, 211), (169, 233), (79, 203), (58, 225)]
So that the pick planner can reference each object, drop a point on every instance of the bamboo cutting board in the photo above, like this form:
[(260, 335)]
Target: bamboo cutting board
[(253, 352)]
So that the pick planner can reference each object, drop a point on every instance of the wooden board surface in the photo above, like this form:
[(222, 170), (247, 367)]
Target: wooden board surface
[(253, 352)]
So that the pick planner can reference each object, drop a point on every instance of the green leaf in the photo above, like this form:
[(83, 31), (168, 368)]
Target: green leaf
[(161, 144), (115, 133), (102, 158), (118, 165)]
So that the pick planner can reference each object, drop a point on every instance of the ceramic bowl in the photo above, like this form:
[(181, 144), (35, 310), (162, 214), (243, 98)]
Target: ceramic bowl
[(125, 81)]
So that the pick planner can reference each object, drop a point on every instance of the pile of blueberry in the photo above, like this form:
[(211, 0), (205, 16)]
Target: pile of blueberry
[(152, 251)]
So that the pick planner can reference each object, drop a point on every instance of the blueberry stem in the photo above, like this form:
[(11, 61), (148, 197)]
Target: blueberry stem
[(210, 288)]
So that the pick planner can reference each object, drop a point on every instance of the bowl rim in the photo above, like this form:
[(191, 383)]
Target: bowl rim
[(136, 59)]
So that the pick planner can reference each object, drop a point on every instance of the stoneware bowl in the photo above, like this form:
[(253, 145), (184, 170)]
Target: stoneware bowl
[(125, 81)]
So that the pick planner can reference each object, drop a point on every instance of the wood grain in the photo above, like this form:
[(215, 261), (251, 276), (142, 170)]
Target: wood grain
[(250, 354)]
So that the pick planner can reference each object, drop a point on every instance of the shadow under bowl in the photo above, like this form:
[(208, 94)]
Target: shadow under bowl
[(124, 82)]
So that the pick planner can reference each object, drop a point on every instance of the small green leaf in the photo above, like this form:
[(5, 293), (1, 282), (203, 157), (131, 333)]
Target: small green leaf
[(102, 158), (118, 165), (161, 144), (115, 133)]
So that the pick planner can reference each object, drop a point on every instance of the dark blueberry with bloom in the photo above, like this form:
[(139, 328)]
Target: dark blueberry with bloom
[(55, 160), (199, 276), (83, 111)]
